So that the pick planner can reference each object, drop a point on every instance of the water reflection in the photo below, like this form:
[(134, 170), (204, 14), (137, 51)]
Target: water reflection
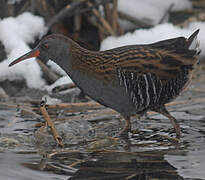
[(11, 167), (107, 165)]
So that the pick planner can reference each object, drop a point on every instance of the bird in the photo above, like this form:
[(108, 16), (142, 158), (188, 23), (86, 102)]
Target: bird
[(131, 79)]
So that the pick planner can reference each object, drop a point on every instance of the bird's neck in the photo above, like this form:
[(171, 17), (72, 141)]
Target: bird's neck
[(82, 59)]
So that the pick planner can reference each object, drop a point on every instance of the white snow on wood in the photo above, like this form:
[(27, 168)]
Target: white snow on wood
[(15, 34)]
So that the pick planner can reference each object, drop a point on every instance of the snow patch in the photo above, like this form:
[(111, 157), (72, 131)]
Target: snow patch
[(151, 11), (157, 33), (15, 34)]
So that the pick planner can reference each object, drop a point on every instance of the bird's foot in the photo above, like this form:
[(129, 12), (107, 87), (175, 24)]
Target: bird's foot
[(126, 129), (178, 131), (123, 134), (171, 139), (162, 110), (176, 126)]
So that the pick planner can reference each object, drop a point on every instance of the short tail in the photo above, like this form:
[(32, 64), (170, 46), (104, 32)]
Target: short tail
[(185, 50), (193, 42)]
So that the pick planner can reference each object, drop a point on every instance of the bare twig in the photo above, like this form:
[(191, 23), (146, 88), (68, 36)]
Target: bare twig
[(166, 13), (64, 12), (50, 124), (3, 8), (119, 29), (50, 75), (105, 24), (86, 105), (71, 10), (32, 5), (11, 10), (108, 13), (196, 17), (77, 26), (90, 8), (102, 30), (45, 9), (24, 7), (137, 22), (114, 15), (63, 87)]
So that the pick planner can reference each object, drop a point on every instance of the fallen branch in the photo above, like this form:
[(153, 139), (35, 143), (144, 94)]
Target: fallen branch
[(64, 12), (105, 24), (196, 17), (137, 22), (24, 7), (44, 9), (86, 105), (51, 77), (108, 13), (50, 124), (63, 87), (166, 13), (114, 15), (77, 26)]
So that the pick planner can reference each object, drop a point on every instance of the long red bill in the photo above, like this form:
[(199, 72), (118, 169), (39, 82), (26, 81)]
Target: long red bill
[(33, 53)]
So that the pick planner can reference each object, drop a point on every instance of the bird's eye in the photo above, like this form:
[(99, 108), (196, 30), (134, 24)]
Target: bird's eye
[(45, 46)]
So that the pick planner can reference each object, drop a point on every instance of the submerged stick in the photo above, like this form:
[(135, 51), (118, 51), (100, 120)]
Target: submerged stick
[(50, 124), (86, 105)]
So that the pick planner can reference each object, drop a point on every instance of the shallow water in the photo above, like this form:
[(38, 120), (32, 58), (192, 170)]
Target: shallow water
[(91, 150)]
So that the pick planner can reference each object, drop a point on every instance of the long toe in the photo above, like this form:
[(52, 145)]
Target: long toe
[(123, 133), (126, 128), (178, 131)]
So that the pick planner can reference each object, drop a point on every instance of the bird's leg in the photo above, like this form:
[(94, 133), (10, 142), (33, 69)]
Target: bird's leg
[(126, 128), (162, 110)]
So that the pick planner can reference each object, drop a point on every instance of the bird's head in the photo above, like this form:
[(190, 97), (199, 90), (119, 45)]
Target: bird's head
[(52, 47)]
